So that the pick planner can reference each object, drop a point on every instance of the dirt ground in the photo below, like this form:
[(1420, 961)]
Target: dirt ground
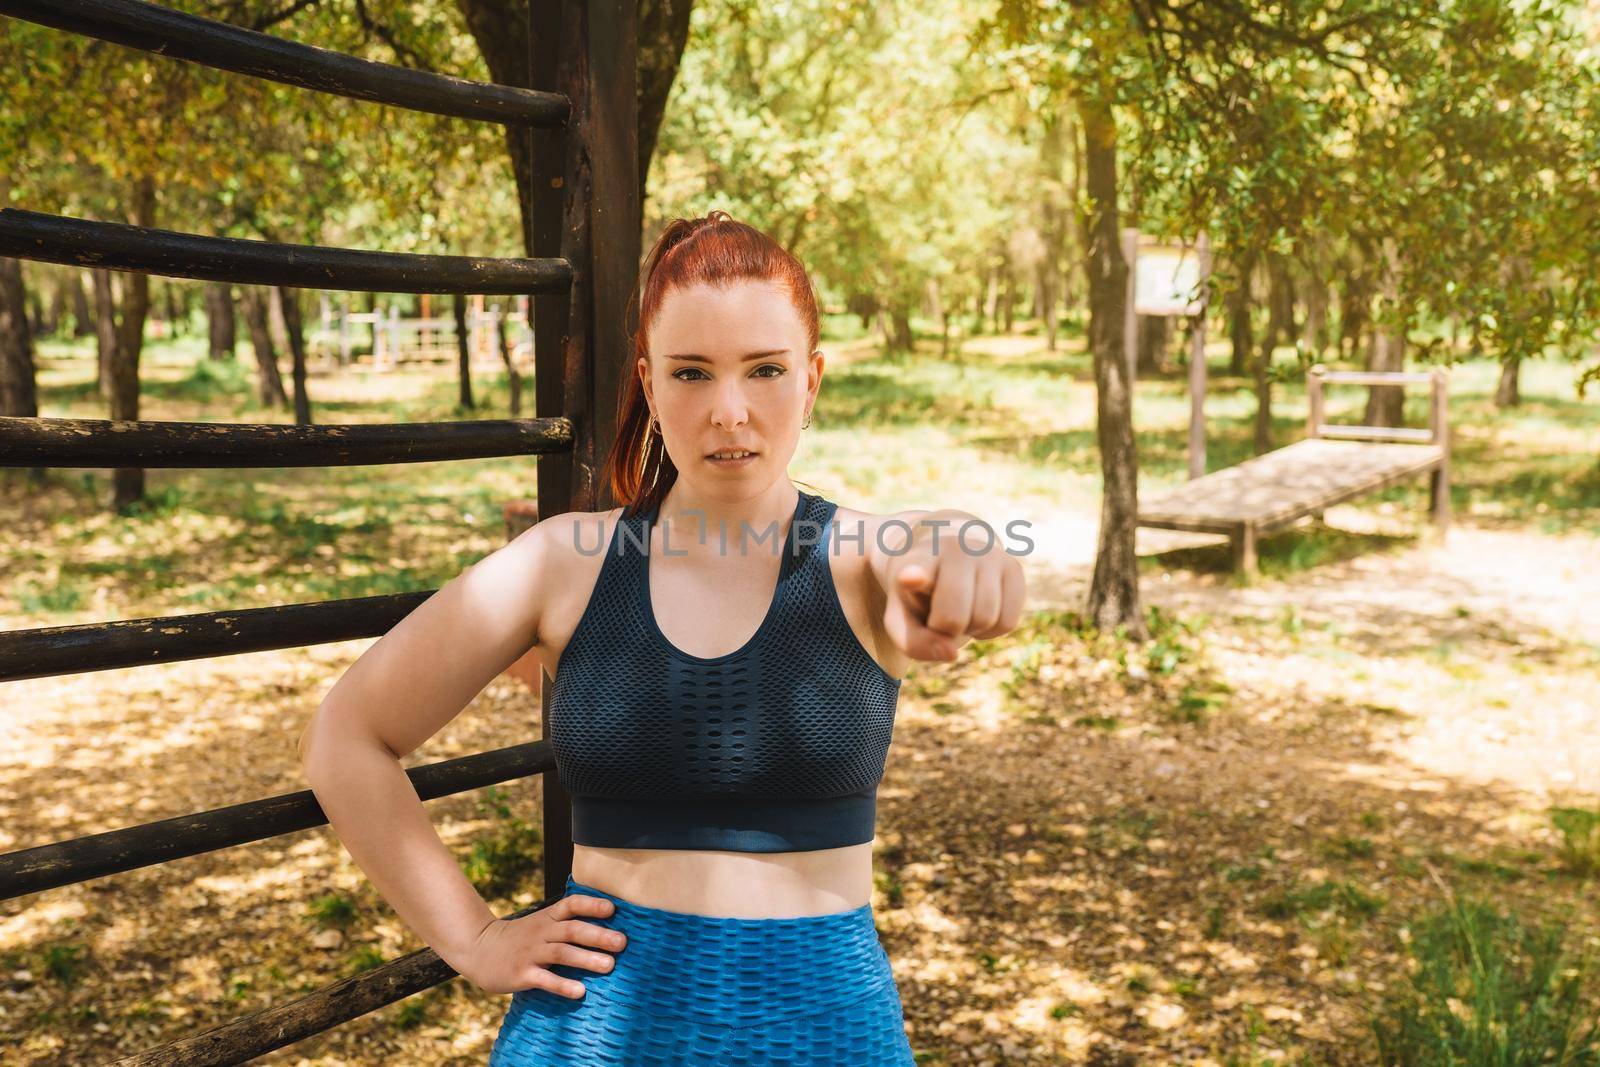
[(1050, 892), (1066, 871)]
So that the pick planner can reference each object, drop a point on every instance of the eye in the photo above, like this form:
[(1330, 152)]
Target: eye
[(777, 368)]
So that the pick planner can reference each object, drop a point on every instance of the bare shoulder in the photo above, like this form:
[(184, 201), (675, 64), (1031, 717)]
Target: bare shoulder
[(572, 535), (569, 548)]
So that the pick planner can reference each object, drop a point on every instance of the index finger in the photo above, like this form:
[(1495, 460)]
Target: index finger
[(586, 904)]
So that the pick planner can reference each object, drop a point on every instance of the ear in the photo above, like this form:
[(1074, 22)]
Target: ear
[(642, 365), (814, 368)]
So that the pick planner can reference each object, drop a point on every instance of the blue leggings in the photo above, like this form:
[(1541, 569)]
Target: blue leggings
[(814, 991)]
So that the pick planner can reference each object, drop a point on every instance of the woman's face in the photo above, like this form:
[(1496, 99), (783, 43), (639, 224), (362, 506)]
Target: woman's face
[(728, 369)]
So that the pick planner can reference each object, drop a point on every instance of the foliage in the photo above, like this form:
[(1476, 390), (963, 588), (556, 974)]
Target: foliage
[(854, 132), (1461, 131), (1486, 990)]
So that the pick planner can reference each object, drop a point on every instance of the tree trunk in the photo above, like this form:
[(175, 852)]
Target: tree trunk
[(121, 341), (1314, 336), (19, 390), (1280, 328), (513, 379), (1240, 330), (1354, 298), (1263, 386), (1280, 301), (82, 317), (991, 302), (464, 354), (938, 311), (1048, 272), (174, 308), (1384, 402), (294, 329), (57, 308), (1508, 393), (33, 304), (1008, 300), (1154, 331), (222, 324), (1114, 587), (500, 29), (901, 339), (269, 384), (105, 328), (275, 323)]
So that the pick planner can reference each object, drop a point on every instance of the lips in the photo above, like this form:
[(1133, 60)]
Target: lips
[(750, 452)]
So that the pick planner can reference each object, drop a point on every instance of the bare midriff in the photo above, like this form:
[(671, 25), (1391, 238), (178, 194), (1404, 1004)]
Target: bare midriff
[(745, 885)]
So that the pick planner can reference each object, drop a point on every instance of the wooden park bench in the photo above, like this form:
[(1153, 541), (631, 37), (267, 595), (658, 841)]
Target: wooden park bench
[(1334, 463)]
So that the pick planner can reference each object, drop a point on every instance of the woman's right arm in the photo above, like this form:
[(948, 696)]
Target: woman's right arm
[(400, 692)]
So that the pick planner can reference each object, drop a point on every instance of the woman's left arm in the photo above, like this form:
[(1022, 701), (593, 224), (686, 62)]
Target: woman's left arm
[(947, 578)]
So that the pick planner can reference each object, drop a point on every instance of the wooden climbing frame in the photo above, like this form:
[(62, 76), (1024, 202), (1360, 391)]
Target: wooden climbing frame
[(577, 122)]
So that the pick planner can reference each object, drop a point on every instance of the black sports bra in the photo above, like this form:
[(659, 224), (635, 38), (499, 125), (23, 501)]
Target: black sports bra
[(777, 746)]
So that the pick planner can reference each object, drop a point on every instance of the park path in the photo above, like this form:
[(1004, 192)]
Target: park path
[(1488, 641)]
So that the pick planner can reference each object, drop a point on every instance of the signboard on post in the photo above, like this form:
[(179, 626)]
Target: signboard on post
[(1169, 278)]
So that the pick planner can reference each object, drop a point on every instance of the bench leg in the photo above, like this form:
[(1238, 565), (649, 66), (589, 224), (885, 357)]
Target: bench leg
[(1439, 497), (1243, 541)]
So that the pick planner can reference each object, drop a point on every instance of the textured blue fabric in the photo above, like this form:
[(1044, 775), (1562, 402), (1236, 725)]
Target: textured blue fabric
[(815, 991), (777, 746)]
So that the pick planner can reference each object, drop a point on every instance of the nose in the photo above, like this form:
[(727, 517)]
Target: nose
[(729, 409)]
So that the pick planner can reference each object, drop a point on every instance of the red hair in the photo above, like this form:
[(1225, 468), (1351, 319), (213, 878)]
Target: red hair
[(716, 250)]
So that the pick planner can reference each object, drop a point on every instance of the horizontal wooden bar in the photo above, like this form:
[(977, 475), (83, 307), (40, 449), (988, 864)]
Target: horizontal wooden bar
[(33, 870), (29, 441), (1372, 377), (273, 1028), (120, 246), (179, 35), (1375, 433), (100, 646)]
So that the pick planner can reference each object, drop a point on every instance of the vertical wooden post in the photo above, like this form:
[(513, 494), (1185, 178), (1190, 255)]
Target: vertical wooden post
[(1197, 365), (424, 334), (1130, 313), (393, 327), (1244, 551), (1314, 400), (1439, 478), (344, 330), (590, 208), (380, 337)]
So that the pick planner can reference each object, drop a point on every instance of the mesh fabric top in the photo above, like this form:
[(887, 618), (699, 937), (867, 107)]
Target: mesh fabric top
[(777, 746)]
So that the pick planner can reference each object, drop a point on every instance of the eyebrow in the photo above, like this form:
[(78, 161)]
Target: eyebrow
[(695, 358)]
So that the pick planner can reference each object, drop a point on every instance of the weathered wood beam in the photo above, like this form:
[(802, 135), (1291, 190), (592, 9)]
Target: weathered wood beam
[(120, 246), (98, 646), (33, 870), (179, 35), (28, 441)]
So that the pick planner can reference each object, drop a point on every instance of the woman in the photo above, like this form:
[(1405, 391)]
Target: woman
[(720, 709)]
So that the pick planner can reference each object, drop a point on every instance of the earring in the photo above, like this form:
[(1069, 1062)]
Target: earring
[(655, 425), (807, 423)]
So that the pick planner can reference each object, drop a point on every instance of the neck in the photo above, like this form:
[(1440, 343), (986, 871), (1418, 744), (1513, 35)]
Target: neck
[(691, 517)]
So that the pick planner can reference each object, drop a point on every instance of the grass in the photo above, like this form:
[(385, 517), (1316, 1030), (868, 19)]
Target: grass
[(1485, 990), (216, 539), (1580, 838), (219, 539), (504, 858)]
